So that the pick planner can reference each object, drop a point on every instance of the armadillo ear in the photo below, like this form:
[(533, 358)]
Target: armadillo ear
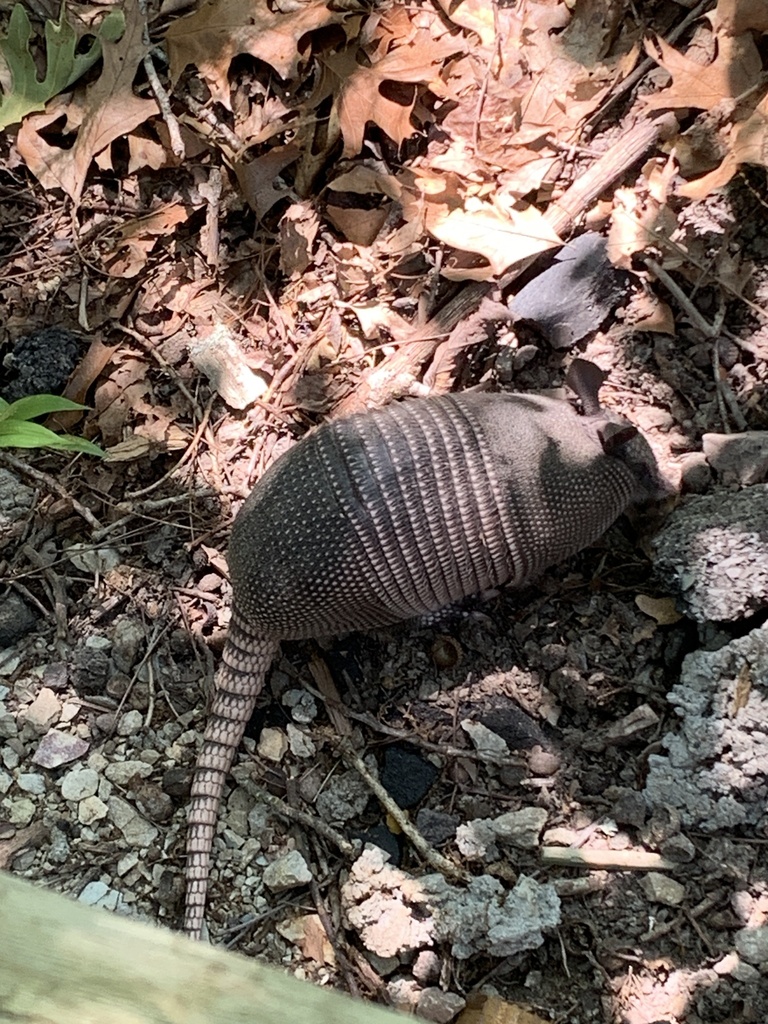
[(586, 379), (614, 435)]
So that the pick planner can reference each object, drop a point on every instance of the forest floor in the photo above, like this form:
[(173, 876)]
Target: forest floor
[(234, 222)]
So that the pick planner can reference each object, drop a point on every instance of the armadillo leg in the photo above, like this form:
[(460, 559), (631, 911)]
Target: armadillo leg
[(239, 681)]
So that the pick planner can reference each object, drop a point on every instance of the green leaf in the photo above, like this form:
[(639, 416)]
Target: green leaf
[(63, 65), (37, 405), (21, 434)]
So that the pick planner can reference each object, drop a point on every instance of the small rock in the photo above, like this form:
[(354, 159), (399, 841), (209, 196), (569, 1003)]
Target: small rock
[(489, 745), (58, 848), (127, 863), (302, 704), (733, 966), (738, 458), (662, 889), (130, 723), (383, 965), (121, 773), (43, 712), (542, 762), (90, 810), (678, 848), (9, 662), (403, 994), (8, 726), (629, 808), (695, 474), (650, 417), (344, 797), (153, 802), (273, 744), (406, 775), (521, 828), (745, 973), (58, 748), (127, 638), (17, 619), (426, 966), (56, 675), (288, 871), (31, 782), (476, 840), (439, 1006), (105, 723), (6, 781), (301, 745), (135, 830), (436, 826), (10, 757), (752, 944), (98, 894), (176, 783), (79, 784), (20, 812)]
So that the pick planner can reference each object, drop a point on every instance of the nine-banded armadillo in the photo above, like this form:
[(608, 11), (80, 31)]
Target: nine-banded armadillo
[(397, 513)]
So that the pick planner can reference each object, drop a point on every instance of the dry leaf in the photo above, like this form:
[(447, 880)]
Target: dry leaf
[(137, 238), (258, 178), (737, 16), (736, 68), (475, 15), (359, 226), (221, 29), (362, 97), (662, 609), (742, 690), (647, 312), (749, 145), (470, 225), (110, 109)]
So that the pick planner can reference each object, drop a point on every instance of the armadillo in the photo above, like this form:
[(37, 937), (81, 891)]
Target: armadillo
[(397, 513)]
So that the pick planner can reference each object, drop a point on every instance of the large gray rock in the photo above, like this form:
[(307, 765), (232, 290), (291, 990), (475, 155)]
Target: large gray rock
[(715, 771), (713, 554)]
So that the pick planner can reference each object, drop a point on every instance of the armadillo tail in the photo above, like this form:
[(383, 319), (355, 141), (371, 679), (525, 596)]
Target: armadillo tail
[(239, 681)]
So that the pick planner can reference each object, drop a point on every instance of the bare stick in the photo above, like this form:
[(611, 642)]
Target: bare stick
[(605, 860), (429, 853)]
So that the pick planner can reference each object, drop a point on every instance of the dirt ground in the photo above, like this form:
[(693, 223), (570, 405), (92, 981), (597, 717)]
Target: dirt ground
[(114, 607)]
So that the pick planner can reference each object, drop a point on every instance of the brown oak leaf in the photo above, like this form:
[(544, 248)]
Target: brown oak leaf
[(361, 98), (211, 37), (108, 110), (735, 70)]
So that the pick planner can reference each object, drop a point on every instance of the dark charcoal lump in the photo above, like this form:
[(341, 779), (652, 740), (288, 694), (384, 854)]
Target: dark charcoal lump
[(406, 775), (16, 619), (40, 363), (572, 298)]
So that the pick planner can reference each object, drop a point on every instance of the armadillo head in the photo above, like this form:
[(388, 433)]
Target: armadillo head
[(618, 437), (622, 440)]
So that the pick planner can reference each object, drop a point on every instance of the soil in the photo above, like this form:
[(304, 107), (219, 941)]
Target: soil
[(111, 631)]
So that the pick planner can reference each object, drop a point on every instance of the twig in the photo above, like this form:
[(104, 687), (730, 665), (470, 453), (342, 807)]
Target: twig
[(664, 929), (408, 736), (646, 65), (605, 860), (48, 482), (429, 853), (311, 821), (159, 91), (58, 589), (205, 114), (712, 333)]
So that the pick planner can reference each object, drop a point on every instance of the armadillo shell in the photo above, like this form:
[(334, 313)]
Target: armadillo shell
[(396, 513)]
